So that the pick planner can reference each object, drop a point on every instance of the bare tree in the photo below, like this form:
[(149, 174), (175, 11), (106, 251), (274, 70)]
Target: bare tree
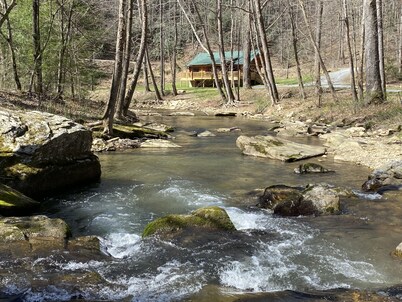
[(316, 47)]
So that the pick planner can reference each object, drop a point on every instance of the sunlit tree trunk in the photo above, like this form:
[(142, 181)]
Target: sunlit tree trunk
[(374, 92), (117, 71)]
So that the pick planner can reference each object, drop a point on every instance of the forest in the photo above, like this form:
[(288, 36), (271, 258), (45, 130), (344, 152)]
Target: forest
[(50, 49)]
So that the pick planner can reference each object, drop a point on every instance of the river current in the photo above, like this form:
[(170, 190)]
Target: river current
[(271, 254)]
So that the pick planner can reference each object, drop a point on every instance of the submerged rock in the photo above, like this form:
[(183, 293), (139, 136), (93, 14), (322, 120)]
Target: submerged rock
[(206, 133), (205, 219), (277, 148), (294, 201), (387, 177), (158, 143), (13, 202), (42, 152), (311, 168)]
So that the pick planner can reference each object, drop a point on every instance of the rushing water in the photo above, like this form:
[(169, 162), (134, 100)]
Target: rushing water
[(269, 254)]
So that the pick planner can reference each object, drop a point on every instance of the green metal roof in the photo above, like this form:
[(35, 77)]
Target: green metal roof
[(204, 59)]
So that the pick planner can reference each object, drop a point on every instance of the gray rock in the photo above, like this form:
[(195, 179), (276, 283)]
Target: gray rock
[(385, 178), (292, 201), (308, 168), (42, 152), (277, 148)]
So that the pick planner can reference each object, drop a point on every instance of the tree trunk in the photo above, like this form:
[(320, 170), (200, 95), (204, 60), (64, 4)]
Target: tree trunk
[(37, 46), (362, 51), (350, 52), (142, 7), (161, 50), (381, 46), (295, 52), (120, 114), (10, 42), (117, 72), (374, 93), (317, 49), (228, 87), (317, 63), (265, 49), (174, 55), (65, 36), (151, 73), (247, 52)]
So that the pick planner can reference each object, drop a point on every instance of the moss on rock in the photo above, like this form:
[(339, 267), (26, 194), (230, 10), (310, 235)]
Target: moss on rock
[(210, 218), (13, 202)]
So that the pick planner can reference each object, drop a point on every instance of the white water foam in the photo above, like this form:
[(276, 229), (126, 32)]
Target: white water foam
[(368, 196), (186, 192), (121, 245), (298, 258), (173, 281)]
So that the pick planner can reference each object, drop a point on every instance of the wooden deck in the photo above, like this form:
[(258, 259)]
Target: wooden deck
[(206, 79)]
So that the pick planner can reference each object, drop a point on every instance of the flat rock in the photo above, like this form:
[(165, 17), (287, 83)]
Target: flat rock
[(277, 148)]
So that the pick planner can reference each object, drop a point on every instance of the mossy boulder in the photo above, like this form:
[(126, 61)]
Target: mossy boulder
[(206, 219), (42, 152), (295, 201), (277, 148), (13, 202)]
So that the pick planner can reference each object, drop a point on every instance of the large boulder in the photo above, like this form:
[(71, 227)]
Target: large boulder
[(13, 202), (294, 201), (387, 177), (204, 219), (42, 152), (277, 148)]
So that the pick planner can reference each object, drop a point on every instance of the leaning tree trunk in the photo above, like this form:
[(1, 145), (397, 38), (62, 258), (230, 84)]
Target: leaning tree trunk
[(374, 93), (151, 73), (317, 49), (117, 72)]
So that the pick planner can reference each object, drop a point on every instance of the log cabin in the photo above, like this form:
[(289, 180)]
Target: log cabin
[(199, 69)]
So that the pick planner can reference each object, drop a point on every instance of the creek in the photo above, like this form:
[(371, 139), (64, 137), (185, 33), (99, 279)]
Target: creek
[(273, 254)]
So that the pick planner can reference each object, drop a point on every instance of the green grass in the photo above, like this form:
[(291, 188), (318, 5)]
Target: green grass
[(293, 81)]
